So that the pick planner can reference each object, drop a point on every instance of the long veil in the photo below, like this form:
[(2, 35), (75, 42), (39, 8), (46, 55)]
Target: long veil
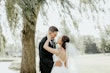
[(72, 54)]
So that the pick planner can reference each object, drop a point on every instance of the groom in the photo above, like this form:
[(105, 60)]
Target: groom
[(46, 59)]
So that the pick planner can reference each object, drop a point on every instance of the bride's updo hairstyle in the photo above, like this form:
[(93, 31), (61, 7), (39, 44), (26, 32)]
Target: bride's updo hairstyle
[(65, 39)]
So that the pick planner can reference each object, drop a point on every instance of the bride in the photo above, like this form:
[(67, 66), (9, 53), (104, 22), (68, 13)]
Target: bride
[(64, 53)]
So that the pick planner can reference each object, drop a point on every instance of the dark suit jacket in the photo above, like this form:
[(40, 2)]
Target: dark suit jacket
[(46, 59)]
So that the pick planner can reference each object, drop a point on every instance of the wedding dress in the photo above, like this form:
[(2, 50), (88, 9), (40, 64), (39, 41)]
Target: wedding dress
[(71, 53), (57, 69)]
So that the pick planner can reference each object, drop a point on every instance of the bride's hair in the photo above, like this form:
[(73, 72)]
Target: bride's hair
[(65, 39)]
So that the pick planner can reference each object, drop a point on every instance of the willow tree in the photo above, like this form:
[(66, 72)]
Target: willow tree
[(104, 38), (30, 13), (30, 10)]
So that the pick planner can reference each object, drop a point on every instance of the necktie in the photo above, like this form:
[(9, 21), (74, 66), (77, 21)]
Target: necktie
[(53, 44)]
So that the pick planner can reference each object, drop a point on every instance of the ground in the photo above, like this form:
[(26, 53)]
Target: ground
[(97, 63), (94, 64)]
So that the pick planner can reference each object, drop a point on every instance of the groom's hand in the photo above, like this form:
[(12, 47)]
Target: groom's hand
[(58, 63)]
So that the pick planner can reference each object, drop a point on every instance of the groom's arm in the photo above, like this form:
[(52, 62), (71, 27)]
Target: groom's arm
[(41, 47), (42, 42)]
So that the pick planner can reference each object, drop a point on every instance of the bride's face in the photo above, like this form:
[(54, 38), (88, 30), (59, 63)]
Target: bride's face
[(60, 40)]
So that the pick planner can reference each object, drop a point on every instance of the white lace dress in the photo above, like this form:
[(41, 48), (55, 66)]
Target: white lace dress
[(57, 69)]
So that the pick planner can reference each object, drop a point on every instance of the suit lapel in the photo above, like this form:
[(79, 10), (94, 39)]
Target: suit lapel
[(52, 43)]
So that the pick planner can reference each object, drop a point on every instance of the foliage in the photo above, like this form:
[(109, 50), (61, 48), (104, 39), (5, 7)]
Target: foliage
[(105, 38), (2, 43), (88, 44), (12, 15)]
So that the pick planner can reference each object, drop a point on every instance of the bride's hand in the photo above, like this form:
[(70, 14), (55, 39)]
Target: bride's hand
[(49, 37)]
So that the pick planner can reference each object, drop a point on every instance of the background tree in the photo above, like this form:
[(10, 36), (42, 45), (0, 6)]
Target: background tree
[(105, 38), (88, 44), (2, 43)]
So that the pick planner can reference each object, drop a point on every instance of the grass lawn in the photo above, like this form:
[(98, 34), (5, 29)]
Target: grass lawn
[(94, 63), (97, 63)]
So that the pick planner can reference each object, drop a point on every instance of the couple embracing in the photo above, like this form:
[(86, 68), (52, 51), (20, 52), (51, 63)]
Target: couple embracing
[(55, 59)]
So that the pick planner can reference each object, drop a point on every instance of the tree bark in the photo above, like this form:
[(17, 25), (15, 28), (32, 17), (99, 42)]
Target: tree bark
[(28, 64)]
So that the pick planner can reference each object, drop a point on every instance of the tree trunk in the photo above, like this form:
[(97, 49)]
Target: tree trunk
[(28, 64)]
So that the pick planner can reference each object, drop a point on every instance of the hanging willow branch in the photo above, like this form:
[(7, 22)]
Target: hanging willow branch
[(30, 8), (12, 15), (64, 9), (67, 7), (43, 12), (27, 5), (2, 43)]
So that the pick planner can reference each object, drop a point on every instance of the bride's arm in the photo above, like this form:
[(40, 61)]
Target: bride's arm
[(49, 49)]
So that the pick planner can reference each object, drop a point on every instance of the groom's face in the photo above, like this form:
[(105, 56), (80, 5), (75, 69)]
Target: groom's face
[(53, 34)]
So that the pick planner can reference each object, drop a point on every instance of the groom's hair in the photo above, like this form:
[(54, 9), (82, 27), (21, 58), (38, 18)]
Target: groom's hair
[(53, 29)]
